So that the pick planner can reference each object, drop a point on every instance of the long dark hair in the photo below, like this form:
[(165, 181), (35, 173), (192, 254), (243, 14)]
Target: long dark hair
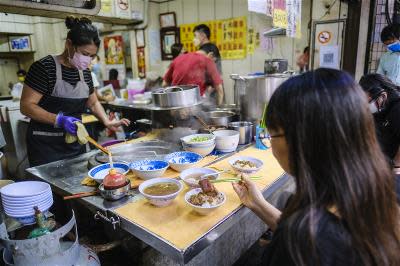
[(81, 31), (374, 84), (336, 161)]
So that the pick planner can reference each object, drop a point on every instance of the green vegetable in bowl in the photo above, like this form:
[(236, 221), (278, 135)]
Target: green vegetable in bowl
[(199, 139)]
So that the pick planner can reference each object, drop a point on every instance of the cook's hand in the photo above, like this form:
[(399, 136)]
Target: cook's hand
[(115, 125), (248, 193), (67, 123)]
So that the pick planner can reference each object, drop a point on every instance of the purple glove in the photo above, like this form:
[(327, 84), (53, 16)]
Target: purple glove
[(67, 123)]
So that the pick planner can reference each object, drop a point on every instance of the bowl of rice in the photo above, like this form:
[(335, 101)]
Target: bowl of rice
[(204, 203)]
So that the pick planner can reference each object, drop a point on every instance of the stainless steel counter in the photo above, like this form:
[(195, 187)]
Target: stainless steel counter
[(65, 177)]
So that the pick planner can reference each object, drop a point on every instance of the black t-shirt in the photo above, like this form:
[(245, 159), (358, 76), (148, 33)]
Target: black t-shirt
[(42, 76), (387, 126), (333, 245)]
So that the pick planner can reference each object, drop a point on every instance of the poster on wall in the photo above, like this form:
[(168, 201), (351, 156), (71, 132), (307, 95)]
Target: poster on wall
[(230, 36), (293, 8), (113, 50), (141, 62), (280, 15), (155, 52), (122, 9), (329, 56), (106, 8), (19, 43)]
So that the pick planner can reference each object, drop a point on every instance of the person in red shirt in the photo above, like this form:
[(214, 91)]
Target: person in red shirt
[(196, 68)]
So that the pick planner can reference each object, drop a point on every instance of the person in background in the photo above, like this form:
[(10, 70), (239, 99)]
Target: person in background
[(113, 79), (129, 73), (201, 37), (96, 69), (177, 49), (384, 102), (96, 84), (57, 90), (16, 90), (303, 60), (389, 63), (196, 68), (344, 209)]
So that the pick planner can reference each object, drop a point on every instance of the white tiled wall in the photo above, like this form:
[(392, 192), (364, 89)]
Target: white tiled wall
[(192, 11)]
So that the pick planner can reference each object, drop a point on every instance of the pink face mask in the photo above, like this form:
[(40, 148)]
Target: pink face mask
[(80, 61)]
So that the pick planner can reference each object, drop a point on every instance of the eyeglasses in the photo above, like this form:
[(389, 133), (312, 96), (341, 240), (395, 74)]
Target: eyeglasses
[(267, 138)]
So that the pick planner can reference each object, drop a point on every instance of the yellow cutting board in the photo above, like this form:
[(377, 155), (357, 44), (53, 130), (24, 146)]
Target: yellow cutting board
[(178, 224)]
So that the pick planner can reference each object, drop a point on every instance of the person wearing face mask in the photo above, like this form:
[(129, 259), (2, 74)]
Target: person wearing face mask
[(201, 37), (389, 63), (384, 103), (57, 90)]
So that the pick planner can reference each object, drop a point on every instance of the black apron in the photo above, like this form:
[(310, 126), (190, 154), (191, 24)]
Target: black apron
[(45, 143)]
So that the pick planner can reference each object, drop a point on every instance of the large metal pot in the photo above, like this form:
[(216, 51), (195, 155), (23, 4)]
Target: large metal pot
[(177, 96), (220, 118), (251, 93)]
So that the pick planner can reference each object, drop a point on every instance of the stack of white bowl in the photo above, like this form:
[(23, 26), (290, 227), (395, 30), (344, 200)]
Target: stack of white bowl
[(19, 200), (203, 148)]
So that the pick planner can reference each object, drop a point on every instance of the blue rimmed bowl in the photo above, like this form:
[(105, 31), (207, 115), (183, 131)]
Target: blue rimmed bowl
[(99, 172), (180, 161), (148, 169)]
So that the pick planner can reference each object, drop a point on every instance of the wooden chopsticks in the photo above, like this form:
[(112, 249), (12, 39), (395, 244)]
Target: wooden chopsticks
[(81, 195), (97, 145), (231, 180)]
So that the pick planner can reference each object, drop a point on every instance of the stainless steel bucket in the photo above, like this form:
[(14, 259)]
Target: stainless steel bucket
[(245, 131), (177, 96)]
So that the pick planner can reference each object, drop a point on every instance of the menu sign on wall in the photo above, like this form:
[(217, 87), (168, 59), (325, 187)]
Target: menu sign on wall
[(230, 36), (293, 28), (280, 16)]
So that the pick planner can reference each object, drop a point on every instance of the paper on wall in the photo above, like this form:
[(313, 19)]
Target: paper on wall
[(155, 48), (257, 6), (329, 56), (293, 8)]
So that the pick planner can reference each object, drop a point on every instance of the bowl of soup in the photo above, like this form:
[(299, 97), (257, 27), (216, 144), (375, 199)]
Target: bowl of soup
[(192, 176), (160, 191)]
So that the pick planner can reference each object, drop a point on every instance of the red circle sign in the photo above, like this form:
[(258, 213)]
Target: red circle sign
[(324, 37), (123, 4)]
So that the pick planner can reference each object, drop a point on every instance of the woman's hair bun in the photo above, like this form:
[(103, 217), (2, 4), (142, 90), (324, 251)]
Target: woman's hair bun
[(71, 21)]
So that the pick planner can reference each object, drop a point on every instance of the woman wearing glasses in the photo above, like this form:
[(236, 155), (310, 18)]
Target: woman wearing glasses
[(344, 209), (57, 91)]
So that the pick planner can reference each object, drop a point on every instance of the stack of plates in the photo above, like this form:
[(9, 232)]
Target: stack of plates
[(19, 200)]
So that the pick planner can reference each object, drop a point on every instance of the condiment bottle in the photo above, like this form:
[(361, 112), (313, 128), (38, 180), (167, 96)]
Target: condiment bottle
[(114, 180)]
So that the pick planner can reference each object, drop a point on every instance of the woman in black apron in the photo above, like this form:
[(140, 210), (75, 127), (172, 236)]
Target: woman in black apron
[(57, 91)]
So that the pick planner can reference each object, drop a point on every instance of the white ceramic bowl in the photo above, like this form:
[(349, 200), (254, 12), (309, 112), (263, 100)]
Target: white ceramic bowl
[(99, 172), (180, 161), (226, 140), (160, 201), (25, 189), (187, 139), (256, 161), (199, 209), (203, 150), (148, 169), (185, 175)]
